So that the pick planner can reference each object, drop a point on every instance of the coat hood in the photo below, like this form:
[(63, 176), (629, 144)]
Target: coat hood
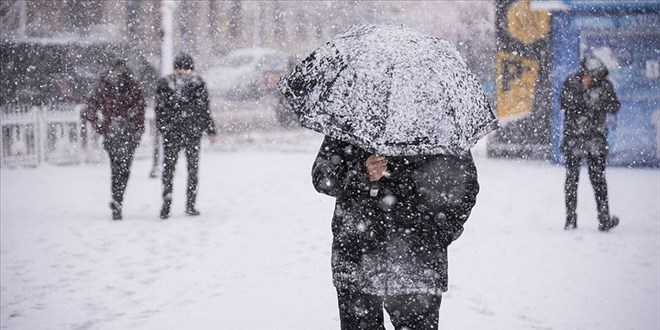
[(594, 67)]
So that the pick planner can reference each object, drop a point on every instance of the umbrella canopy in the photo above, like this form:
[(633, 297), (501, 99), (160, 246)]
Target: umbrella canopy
[(392, 91)]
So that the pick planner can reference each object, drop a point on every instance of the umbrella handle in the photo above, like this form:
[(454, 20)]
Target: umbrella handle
[(375, 187)]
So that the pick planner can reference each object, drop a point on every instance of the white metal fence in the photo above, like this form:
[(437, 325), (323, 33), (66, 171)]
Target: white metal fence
[(55, 134)]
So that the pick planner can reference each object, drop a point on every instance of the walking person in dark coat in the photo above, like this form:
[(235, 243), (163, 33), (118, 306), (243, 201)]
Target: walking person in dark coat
[(182, 115), (587, 98), (119, 98), (394, 218)]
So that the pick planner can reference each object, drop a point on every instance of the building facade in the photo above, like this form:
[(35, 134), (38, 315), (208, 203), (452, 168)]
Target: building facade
[(212, 28)]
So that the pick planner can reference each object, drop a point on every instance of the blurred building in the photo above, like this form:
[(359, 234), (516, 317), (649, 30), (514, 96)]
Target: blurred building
[(212, 28), (539, 44), (49, 40)]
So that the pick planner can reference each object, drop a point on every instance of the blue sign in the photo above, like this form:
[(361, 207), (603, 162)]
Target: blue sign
[(633, 61), (627, 39)]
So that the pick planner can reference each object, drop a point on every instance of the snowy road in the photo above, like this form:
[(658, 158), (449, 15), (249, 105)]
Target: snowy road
[(259, 255)]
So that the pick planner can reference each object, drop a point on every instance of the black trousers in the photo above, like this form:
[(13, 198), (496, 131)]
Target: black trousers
[(157, 153), (171, 149), (121, 154), (359, 311), (596, 169)]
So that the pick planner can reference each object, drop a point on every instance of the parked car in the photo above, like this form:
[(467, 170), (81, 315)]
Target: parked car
[(38, 72), (247, 74)]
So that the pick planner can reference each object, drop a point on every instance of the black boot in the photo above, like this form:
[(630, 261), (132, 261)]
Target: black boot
[(116, 210), (571, 223), (190, 210), (190, 203), (612, 222), (165, 210)]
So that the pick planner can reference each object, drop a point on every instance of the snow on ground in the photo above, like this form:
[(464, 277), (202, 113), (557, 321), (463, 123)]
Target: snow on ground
[(259, 255)]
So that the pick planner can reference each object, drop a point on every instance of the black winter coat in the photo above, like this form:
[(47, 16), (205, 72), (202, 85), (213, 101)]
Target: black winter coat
[(182, 107), (585, 114), (396, 242)]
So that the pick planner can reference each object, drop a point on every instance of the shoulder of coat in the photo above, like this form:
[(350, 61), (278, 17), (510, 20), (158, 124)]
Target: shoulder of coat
[(607, 83), (197, 80), (163, 81)]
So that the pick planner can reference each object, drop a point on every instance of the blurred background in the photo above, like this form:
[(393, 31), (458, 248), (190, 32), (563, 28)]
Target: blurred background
[(53, 51), (212, 28), (520, 50)]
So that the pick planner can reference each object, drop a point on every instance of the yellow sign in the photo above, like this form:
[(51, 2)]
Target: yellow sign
[(525, 24), (515, 84)]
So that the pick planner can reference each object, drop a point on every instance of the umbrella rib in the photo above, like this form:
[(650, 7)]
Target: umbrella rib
[(331, 83), (381, 122)]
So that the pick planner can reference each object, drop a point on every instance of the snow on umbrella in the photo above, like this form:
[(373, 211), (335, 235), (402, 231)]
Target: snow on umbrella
[(392, 91)]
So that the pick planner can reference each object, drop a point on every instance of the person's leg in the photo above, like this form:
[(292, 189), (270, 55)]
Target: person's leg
[(115, 204), (125, 168), (115, 172), (570, 189), (115, 177), (192, 157), (157, 140), (121, 161), (359, 311), (596, 166), (170, 155), (121, 173), (418, 312)]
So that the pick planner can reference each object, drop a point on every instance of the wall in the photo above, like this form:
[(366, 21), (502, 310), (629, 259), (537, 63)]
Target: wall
[(211, 28)]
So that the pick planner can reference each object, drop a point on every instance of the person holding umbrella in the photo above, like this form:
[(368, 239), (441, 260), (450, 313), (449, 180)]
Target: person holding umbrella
[(400, 112)]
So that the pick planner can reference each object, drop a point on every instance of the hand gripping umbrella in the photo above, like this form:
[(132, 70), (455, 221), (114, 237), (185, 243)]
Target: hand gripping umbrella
[(391, 91)]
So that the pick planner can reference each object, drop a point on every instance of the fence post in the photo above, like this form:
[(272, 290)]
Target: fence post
[(41, 139)]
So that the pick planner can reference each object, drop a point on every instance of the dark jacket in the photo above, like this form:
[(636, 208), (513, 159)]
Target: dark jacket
[(119, 98), (396, 242), (182, 106), (585, 112)]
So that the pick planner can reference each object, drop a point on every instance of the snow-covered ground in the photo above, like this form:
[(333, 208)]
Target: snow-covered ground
[(259, 255)]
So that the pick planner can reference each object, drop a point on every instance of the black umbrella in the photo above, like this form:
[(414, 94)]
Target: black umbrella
[(392, 91)]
